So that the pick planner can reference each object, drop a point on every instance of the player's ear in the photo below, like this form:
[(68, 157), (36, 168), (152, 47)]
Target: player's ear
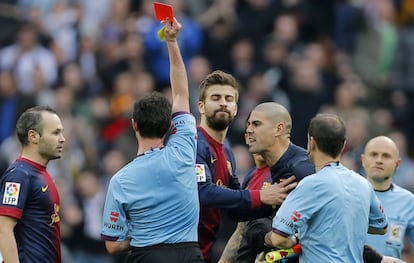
[(397, 164), (201, 108), (33, 136), (312, 143), (280, 127), (134, 125), (343, 147)]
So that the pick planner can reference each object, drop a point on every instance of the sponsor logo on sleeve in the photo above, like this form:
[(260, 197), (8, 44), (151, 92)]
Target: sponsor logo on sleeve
[(295, 216), (200, 173), (114, 216), (114, 220), (11, 193), (113, 226)]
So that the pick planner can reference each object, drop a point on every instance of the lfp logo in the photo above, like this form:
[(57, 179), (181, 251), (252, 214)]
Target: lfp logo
[(11, 193), (200, 173)]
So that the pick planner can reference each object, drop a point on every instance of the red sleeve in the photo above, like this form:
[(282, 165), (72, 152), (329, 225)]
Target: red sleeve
[(11, 211), (255, 198)]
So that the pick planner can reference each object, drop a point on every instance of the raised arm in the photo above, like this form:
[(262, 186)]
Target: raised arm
[(178, 74)]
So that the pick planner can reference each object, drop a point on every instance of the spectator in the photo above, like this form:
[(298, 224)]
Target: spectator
[(13, 104), (25, 56)]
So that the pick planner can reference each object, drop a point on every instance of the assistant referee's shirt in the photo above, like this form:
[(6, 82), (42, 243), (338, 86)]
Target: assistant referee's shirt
[(398, 205), (331, 210)]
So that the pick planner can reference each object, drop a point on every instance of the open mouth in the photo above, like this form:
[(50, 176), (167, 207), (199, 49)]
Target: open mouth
[(251, 140)]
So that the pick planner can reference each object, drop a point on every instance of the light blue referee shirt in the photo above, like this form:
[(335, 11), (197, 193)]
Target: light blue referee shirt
[(331, 211), (398, 205), (154, 198)]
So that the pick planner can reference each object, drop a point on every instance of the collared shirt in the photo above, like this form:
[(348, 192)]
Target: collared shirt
[(398, 205), (154, 198), (331, 210)]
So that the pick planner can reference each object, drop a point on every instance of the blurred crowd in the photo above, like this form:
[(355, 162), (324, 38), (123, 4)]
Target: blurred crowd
[(91, 59)]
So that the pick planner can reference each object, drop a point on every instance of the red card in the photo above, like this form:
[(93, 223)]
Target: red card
[(163, 11)]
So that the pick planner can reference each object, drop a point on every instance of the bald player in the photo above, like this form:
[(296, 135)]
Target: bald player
[(380, 160), (268, 134)]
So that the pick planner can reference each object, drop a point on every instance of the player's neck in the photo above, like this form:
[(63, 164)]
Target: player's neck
[(219, 136), (322, 160), (32, 155), (276, 152), (380, 185), (148, 144)]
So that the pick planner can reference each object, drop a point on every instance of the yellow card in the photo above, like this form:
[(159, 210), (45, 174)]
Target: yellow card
[(160, 33)]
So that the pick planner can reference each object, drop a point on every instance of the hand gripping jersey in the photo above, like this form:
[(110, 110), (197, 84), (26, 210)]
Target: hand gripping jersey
[(295, 162)]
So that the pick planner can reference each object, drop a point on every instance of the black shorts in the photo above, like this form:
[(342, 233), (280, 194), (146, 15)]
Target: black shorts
[(188, 252)]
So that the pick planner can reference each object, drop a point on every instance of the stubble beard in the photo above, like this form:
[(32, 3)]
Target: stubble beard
[(50, 155)]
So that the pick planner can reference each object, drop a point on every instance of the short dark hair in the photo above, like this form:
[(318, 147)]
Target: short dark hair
[(217, 77), (31, 119), (152, 113), (328, 130)]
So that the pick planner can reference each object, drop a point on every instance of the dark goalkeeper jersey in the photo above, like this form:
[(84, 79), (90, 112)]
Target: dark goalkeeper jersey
[(29, 194)]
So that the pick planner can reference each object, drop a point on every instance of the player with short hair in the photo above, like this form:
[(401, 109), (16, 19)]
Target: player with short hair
[(152, 204), (331, 210), (29, 209), (267, 134), (218, 184)]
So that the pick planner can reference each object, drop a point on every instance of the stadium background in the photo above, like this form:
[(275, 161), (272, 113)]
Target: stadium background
[(90, 59)]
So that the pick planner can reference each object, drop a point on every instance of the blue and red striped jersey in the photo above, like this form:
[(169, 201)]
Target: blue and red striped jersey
[(29, 194)]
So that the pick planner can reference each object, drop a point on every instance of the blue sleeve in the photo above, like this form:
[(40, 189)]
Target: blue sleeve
[(410, 226), (212, 195), (183, 137), (114, 219), (302, 168), (377, 217), (15, 191), (297, 209)]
